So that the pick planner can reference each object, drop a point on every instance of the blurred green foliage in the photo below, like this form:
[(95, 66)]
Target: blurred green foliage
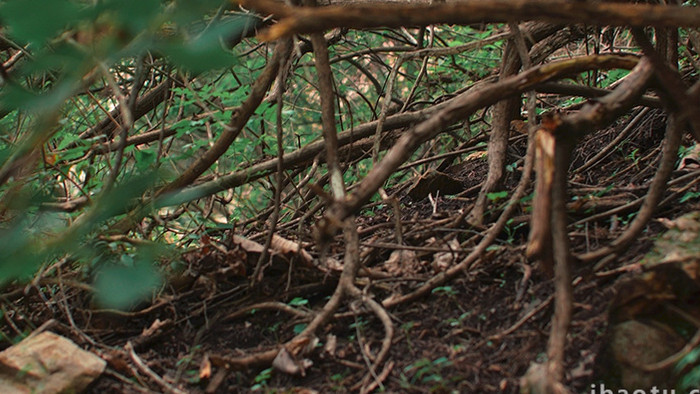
[(58, 96), (55, 91)]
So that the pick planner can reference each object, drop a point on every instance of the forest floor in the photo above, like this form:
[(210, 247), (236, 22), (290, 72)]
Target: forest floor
[(478, 333)]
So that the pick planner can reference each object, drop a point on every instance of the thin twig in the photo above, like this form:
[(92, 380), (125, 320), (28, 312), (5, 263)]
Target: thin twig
[(148, 371), (674, 132), (523, 320), (281, 85)]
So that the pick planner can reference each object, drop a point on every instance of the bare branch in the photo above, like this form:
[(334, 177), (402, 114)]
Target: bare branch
[(296, 20)]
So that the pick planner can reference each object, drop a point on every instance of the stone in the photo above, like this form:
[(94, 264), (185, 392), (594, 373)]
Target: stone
[(47, 363)]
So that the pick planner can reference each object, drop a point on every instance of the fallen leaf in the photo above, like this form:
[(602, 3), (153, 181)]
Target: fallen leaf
[(402, 262), (248, 245), (205, 368), (331, 344)]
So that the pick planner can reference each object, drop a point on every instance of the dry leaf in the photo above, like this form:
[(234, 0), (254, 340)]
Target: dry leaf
[(303, 390), (284, 362), (331, 344), (691, 160), (248, 245), (444, 260), (205, 368), (285, 246), (233, 269), (297, 346), (402, 262), (333, 264)]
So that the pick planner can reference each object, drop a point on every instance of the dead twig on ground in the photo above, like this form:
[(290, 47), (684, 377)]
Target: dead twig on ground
[(149, 372)]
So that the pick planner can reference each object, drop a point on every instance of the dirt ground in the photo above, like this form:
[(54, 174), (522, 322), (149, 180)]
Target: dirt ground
[(479, 333)]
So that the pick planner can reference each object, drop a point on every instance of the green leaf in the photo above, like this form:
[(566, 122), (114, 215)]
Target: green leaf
[(689, 196), (497, 195), (57, 58), (21, 253), (35, 21), (206, 51), (136, 15), (124, 196), (67, 139), (199, 57), (120, 286), (298, 328), (144, 158), (14, 96), (298, 301), (187, 11)]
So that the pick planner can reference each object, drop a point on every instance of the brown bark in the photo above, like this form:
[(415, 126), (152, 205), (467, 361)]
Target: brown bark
[(308, 20), (144, 105), (503, 113), (507, 110)]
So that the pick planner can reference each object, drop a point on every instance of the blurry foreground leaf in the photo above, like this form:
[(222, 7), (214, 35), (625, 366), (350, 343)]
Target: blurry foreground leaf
[(207, 51), (32, 239), (120, 286), (37, 20)]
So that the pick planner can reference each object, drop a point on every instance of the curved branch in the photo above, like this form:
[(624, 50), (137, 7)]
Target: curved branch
[(458, 109), (296, 20)]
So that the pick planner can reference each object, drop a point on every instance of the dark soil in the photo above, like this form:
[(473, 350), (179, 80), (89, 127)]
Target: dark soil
[(465, 336)]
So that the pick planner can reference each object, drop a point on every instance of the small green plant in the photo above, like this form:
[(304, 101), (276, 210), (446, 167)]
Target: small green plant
[(359, 324), (634, 156), (446, 290), (298, 328), (511, 230), (298, 301), (493, 247), (337, 380), (406, 328), (261, 379), (689, 370), (497, 196), (612, 76), (689, 196), (457, 321), (192, 376), (425, 371), (274, 328), (626, 219), (603, 192), (683, 151)]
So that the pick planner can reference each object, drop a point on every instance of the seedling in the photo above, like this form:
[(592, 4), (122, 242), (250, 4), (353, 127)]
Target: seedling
[(446, 290), (261, 379)]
